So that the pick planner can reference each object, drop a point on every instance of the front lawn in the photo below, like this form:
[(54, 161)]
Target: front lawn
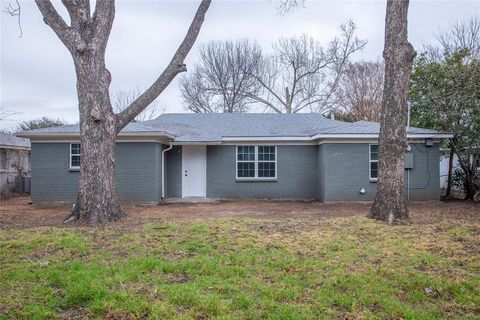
[(243, 268)]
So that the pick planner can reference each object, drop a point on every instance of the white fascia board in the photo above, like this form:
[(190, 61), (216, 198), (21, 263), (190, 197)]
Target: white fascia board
[(6, 146), (42, 135), (430, 136), (195, 143), (375, 136), (247, 139)]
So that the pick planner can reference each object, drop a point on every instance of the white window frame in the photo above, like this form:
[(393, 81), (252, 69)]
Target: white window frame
[(370, 162), (70, 158), (255, 168), (4, 160)]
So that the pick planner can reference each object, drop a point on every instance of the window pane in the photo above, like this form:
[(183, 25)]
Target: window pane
[(373, 152), (75, 161), (266, 169), (3, 159), (373, 169), (246, 153), (246, 169), (75, 148), (266, 153)]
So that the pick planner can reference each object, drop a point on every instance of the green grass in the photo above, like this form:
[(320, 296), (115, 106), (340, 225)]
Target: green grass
[(241, 268)]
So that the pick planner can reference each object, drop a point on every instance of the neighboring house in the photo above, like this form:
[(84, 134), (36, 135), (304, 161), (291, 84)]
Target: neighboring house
[(14, 163), (239, 155)]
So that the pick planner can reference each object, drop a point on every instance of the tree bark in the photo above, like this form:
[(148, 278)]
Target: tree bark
[(390, 201), (450, 171), (97, 200), (86, 39)]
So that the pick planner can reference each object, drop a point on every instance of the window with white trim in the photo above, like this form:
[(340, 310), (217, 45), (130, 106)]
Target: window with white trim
[(75, 155), (3, 159), (373, 162), (256, 162)]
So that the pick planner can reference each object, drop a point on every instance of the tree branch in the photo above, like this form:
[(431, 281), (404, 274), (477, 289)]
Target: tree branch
[(260, 99), (79, 11), (175, 67), (103, 19), (15, 12), (56, 22)]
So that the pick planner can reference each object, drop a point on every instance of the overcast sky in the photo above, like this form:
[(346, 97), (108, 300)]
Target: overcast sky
[(37, 75)]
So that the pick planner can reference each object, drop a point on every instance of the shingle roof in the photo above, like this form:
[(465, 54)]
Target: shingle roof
[(212, 127), (367, 127), (215, 126), (9, 140)]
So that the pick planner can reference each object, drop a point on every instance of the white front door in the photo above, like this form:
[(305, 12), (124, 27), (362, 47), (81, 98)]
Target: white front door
[(194, 171)]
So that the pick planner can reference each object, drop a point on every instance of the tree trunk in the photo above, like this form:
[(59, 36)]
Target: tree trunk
[(450, 171), (390, 202), (97, 200), (470, 189)]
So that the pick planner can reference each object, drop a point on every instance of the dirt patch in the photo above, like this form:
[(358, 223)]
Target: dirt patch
[(18, 213)]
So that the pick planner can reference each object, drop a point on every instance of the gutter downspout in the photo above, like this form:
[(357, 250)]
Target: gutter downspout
[(409, 109), (163, 168)]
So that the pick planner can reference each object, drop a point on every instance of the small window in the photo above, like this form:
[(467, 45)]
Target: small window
[(75, 155), (373, 162), (256, 162), (3, 159)]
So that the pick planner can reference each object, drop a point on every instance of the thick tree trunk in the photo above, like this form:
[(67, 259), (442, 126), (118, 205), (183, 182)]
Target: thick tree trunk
[(450, 171), (390, 201), (97, 200)]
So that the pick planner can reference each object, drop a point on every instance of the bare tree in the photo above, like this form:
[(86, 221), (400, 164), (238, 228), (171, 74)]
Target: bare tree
[(302, 75), (359, 95), (5, 113), (464, 34), (86, 39), (122, 99), (224, 78), (390, 203), (15, 11), (287, 6)]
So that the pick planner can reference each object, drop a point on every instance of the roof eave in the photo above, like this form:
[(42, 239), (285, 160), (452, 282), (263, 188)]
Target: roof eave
[(375, 136), (38, 135)]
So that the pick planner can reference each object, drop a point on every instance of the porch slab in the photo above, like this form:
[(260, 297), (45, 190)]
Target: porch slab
[(191, 200)]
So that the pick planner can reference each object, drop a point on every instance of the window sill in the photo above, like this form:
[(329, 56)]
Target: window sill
[(74, 169), (256, 180), (373, 180)]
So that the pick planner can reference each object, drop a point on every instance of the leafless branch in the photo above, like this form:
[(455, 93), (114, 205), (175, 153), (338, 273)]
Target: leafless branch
[(5, 114), (288, 6), (301, 74), (122, 99), (359, 95), (53, 19), (15, 11), (223, 80), (463, 34), (175, 67)]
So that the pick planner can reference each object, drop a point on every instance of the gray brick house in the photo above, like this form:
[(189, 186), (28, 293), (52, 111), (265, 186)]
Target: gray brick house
[(242, 155)]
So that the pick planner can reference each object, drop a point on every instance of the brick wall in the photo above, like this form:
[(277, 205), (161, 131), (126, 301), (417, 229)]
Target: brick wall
[(296, 174), (137, 167)]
